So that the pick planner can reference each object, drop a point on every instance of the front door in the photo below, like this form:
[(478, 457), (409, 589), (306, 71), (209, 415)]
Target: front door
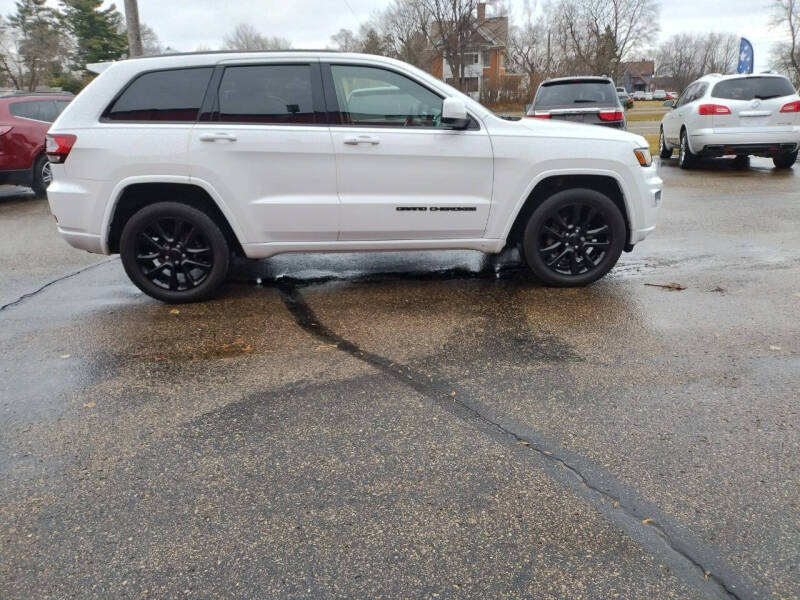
[(267, 151), (402, 174)]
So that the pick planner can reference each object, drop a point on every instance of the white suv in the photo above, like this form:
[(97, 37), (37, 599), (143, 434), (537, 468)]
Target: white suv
[(176, 162), (739, 115)]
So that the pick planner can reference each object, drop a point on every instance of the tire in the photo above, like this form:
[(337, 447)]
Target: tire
[(686, 158), (742, 162), (664, 151), (556, 251), (174, 252), (785, 161), (42, 175)]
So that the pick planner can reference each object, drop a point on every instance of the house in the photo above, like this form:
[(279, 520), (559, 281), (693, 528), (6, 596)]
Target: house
[(485, 75), (637, 76)]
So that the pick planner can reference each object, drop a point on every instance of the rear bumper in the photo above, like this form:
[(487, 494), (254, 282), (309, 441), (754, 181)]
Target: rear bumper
[(78, 209), (715, 143)]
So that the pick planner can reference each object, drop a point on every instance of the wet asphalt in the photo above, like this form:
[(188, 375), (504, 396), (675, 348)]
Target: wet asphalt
[(401, 425)]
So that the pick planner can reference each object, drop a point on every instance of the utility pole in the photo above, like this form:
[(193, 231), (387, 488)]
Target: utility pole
[(134, 32)]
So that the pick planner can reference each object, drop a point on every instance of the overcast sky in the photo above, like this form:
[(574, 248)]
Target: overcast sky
[(187, 24)]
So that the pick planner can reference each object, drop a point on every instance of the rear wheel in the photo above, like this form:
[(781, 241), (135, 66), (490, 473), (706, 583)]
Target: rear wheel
[(686, 158), (174, 252), (42, 175), (785, 161), (664, 151), (742, 162), (574, 238)]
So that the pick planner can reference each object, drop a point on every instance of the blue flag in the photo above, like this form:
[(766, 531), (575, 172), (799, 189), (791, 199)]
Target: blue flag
[(745, 57)]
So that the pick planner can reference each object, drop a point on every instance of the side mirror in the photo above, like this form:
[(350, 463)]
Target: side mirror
[(454, 113), (670, 103)]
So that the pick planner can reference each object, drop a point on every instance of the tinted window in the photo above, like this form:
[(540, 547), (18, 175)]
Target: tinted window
[(41, 110), (381, 98), (174, 95), (266, 94), (579, 92), (687, 95), (747, 88), (60, 106)]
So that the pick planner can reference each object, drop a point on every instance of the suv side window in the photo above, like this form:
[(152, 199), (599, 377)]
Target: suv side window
[(168, 95), (36, 109), (699, 92), (375, 97), (271, 94), (687, 95)]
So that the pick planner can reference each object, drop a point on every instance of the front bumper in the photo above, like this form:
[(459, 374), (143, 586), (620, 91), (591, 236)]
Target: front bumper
[(644, 202)]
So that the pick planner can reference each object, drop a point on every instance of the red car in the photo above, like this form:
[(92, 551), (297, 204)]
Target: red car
[(24, 119)]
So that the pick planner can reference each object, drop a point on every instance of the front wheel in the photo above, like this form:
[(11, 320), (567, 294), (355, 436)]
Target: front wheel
[(785, 161), (664, 151), (574, 238), (42, 175), (174, 252)]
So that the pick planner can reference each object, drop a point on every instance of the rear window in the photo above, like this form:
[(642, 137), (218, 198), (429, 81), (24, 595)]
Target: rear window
[(170, 95), (748, 88), (569, 93), (277, 94), (40, 110)]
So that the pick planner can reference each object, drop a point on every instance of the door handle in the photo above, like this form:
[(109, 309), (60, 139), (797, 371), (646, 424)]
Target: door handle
[(362, 139), (217, 137)]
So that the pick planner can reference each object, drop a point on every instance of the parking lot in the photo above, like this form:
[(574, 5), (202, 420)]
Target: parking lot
[(412, 425)]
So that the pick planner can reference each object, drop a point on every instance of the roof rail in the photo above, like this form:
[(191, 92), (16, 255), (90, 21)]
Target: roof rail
[(14, 93)]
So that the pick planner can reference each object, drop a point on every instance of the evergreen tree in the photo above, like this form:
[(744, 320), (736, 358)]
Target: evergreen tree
[(96, 31)]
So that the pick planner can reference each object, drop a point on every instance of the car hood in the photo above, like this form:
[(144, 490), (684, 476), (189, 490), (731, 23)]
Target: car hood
[(581, 131)]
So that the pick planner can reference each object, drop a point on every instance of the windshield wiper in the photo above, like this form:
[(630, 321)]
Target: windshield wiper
[(766, 97), (579, 101)]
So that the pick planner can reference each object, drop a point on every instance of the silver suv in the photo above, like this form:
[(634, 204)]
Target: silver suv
[(734, 115)]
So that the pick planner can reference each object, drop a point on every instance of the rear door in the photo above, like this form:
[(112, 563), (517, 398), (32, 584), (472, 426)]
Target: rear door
[(675, 118), (755, 105), (402, 174), (263, 144)]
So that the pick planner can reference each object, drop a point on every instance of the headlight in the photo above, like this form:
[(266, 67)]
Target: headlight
[(643, 156)]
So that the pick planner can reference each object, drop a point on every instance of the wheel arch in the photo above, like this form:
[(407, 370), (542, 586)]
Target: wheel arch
[(131, 196), (606, 184)]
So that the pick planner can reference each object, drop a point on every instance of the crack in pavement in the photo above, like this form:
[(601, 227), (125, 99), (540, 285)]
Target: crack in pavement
[(44, 286), (643, 521)]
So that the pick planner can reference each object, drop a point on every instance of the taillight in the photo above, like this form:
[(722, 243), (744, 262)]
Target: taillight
[(611, 115), (713, 109), (540, 114), (791, 107), (58, 146), (4, 129)]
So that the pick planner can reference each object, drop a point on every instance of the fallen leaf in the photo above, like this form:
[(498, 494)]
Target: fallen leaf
[(647, 521), (174, 311), (453, 393), (718, 289), (65, 355), (89, 404), (247, 348), (672, 287), (523, 443)]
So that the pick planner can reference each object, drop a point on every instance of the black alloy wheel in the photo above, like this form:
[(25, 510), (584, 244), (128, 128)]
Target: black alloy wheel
[(174, 252), (574, 238)]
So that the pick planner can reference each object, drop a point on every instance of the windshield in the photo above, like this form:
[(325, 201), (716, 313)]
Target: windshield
[(748, 88), (572, 93)]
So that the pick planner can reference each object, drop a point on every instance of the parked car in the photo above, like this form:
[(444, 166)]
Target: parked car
[(672, 95), (638, 95), (624, 98), (734, 115), (590, 100), (24, 119), (660, 95), (648, 95), (176, 162)]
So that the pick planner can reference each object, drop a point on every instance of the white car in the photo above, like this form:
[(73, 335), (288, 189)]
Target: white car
[(638, 95), (176, 162), (734, 115), (648, 95), (660, 95)]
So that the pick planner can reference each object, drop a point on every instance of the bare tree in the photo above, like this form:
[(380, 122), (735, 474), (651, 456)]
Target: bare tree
[(346, 41), (786, 55), (530, 51), (246, 37), (599, 36), (685, 57), (452, 28), (405, 27), (150, 42)]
